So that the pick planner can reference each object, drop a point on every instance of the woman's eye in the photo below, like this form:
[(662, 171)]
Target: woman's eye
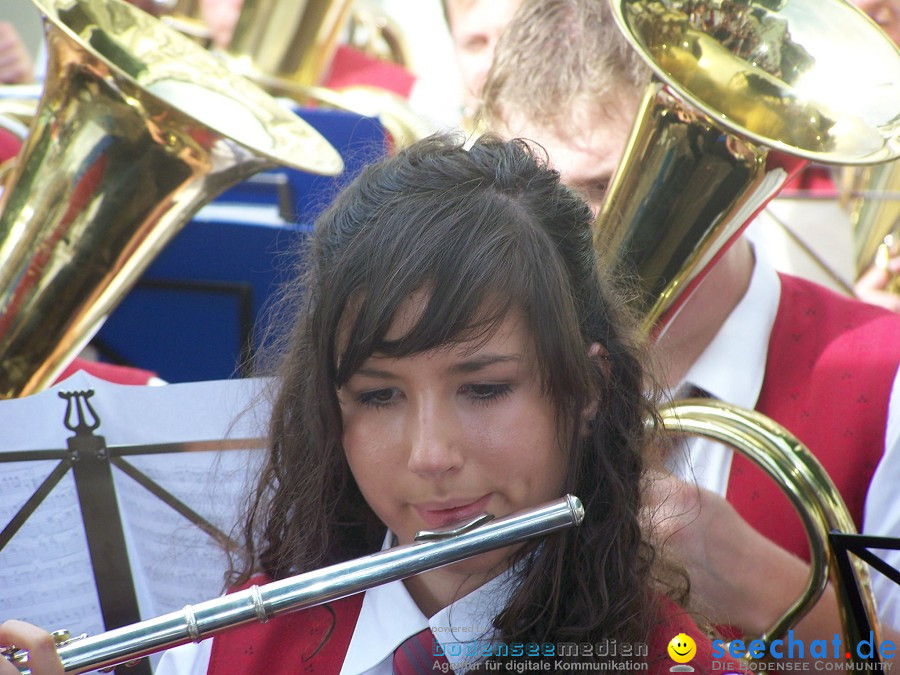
[(483, 393), (596, 193), (378, 398)]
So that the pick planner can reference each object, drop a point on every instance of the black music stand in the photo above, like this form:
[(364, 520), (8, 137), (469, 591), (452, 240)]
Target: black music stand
[(844, 545), (91, 459)]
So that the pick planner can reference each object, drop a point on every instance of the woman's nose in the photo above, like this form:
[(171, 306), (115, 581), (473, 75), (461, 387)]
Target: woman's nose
[(434, 440)]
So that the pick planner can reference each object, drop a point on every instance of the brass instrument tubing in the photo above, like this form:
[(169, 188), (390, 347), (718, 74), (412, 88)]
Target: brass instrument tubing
[(806, 484)]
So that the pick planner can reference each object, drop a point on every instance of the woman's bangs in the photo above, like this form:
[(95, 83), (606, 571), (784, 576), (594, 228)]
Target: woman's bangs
[(469, 282), (470, 318)]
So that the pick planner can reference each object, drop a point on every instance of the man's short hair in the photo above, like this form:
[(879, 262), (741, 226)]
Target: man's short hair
[(555, 53)]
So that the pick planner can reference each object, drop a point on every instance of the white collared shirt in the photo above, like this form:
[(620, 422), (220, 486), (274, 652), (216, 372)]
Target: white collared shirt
[(732, 369), (389, 616)]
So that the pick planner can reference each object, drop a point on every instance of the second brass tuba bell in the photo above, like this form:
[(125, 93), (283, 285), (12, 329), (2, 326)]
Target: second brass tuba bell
[(137, 128), (744, 94), (287, 47)]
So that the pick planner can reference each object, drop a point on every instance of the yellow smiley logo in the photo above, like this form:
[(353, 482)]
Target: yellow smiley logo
[(682, 648)]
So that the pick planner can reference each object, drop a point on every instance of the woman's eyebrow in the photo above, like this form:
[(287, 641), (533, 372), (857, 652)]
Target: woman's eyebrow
[(477, 363), (373, 372), (468, 366)]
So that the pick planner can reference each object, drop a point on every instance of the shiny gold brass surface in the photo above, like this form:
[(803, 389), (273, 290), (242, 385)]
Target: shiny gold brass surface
[(873, 198), (685, 191), (186, 8), (392, 111), (813, 78), (19, 102), (291, 41), (737, 85), (375, 33), (814, 496), (138, 127), (185, 17), (287, 47)]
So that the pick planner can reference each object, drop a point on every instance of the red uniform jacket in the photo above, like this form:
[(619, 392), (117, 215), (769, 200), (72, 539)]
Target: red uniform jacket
[(316, 641), (829, 373)]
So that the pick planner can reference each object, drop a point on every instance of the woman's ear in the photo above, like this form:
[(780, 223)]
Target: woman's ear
[(598, 355)]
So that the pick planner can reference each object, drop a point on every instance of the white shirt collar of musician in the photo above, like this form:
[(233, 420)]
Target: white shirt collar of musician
[(389, 616), (731, 369), (733, 366)]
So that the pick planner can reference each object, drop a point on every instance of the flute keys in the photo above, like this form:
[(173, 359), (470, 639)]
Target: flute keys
[(20, 656), (14, 654), (61, 637)]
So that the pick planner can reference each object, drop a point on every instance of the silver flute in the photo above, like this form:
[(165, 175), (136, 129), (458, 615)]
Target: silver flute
[(260, 603)]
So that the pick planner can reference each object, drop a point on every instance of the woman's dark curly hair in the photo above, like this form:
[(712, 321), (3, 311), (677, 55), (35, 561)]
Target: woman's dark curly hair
[(470, 225)]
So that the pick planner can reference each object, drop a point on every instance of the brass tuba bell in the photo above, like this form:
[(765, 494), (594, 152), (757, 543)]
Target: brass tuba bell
[(745, 93), (287, 48), (137, 128)]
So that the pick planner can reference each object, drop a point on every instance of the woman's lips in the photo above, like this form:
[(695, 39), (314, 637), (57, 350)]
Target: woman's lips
[(441, 514)]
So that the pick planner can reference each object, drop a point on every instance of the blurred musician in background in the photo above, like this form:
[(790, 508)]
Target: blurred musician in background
[(824, 366), (221, 16), (349, 67), (16, 66), (475, 26), (493, 373), (886, 13)]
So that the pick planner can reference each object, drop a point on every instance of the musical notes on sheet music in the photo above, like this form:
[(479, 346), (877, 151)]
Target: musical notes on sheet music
[(45, 572), (177, 559), (46, 576)]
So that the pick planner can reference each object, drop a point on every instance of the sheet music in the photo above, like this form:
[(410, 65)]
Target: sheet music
[(181, 564), (45, 570)]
